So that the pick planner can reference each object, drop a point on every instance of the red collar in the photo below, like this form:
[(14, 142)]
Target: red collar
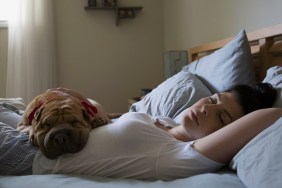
[(90, 108), (32, 113)]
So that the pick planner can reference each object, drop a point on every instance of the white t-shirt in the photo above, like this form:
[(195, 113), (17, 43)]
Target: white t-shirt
[(131, 147)]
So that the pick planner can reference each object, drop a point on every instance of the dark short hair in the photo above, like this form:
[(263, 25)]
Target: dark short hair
[(254, 97)]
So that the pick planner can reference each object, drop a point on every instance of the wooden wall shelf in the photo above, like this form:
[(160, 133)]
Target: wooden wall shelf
[(121, 12)]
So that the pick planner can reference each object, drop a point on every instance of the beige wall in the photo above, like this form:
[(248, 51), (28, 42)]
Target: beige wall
[(106, 62), (3, 59), (193, 22)]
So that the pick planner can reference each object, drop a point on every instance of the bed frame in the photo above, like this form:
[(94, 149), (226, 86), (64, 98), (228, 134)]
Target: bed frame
[(266, 49)]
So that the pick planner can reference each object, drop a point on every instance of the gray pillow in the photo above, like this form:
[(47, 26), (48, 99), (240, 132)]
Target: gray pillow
[(9, 117), (274, 77), (11, 110), (226, 67), (172, 96), (17, 103), (258, 164)]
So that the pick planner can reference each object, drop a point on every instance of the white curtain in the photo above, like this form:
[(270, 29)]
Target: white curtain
[(31, 49)]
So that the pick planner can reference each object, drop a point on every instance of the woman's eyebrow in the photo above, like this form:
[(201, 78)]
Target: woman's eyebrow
[(228, 114)]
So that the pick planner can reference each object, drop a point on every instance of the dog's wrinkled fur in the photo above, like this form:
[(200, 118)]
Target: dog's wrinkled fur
[(59, 121)]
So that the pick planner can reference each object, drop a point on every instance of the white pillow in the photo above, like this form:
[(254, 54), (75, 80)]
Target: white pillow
[(226, 67), (172, 96)]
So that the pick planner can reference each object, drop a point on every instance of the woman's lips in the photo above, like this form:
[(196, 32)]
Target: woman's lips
[(194, 117)]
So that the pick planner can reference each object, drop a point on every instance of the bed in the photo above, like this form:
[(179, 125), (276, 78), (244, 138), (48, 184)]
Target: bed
[(217, 66)]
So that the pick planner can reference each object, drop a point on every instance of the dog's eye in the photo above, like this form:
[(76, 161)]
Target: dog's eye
[(75, 121), (46, 126)]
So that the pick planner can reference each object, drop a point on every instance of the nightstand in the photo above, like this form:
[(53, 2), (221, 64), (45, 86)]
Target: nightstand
[(133, 100)]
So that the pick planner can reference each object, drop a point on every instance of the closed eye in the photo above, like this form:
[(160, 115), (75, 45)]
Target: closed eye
[(44, 127), (75, 122), (211, 100), (221, 119)]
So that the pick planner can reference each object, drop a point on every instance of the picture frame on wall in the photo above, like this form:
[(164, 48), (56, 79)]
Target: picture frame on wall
[(174, 62)]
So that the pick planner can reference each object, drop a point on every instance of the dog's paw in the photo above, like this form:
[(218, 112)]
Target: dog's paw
[(31, 139), (24, 128)]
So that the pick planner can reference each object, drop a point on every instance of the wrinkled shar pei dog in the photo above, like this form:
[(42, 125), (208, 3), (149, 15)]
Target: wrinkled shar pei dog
[(59, 121)]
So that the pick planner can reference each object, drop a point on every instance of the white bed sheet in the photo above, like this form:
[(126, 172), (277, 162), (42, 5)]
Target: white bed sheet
[(223, 179)]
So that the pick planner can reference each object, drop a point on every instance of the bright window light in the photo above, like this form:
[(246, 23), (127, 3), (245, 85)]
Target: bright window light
[(5, 9)]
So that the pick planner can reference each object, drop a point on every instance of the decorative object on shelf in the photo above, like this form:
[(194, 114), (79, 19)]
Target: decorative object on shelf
[(91, 3), (120, 12), (125, 13), (110, 3)]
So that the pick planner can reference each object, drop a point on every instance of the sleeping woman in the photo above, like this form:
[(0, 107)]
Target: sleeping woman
[(140, 146)]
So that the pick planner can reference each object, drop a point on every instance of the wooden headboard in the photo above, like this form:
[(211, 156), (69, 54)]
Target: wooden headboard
[(266, 48)]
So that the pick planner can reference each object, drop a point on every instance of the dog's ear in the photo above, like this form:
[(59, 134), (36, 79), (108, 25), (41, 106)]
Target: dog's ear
[(98, 122), (86, 115), (94, 122), (88, 119)]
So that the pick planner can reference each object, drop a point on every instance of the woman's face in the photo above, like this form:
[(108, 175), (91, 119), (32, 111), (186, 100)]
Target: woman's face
[(210, 114)]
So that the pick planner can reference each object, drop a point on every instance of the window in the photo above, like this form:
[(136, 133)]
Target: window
[(5, 9)]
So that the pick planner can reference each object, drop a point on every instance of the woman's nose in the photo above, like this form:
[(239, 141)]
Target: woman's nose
[(207, 109)]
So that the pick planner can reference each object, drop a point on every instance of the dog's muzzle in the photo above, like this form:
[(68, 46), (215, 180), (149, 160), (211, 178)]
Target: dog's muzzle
[(63, 139)]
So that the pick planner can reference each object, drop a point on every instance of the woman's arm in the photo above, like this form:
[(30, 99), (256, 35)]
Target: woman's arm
[(222, 145)]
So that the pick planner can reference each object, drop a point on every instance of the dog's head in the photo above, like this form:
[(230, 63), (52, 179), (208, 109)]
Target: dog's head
[(58, 127)]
